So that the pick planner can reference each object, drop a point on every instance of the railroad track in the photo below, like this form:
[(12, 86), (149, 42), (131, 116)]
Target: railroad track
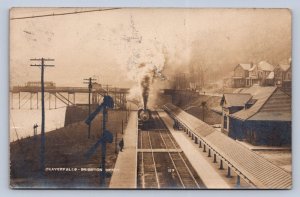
[(164, 169)]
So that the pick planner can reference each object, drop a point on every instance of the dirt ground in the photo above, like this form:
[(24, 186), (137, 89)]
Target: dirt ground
[(65, 161), (199, 106)]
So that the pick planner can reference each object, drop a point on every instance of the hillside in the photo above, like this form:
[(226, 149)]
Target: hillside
[(65, 148)]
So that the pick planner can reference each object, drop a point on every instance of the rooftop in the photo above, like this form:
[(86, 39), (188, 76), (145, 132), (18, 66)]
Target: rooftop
[(265, 66), (271, 104), (284, 67), (263, 174), (245, 66), (235, 99)]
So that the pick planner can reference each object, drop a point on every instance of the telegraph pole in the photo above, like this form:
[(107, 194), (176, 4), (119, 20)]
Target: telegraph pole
[(43, 138), (107, 89), (90, 86)]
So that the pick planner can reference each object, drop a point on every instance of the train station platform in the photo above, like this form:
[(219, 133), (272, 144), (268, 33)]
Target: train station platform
[(125, 171), (255, 170), (210, 177)]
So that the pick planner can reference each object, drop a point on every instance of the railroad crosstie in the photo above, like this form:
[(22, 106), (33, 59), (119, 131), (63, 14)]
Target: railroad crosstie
[(162, 164)]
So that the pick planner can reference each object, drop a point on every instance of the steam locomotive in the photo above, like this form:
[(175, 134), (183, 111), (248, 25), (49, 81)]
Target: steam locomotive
[(144, 115), (145, 119)]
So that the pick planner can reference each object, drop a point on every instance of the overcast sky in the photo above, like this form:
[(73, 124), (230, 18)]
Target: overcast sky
[(100, 43)]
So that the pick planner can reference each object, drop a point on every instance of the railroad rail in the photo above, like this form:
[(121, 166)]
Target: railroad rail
[(162, 162), (254, 169)]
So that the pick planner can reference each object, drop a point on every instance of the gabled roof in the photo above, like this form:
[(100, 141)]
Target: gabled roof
[(279, 109), (217, 110), (284, 67), (235, 99), (245, 66), (253, 67), (271, 75), (265, 66)]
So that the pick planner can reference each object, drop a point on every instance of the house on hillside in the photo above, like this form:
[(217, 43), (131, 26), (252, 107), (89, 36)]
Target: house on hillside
[(258, 115), (283, 77), (246, 75), (241, 72), (261, 74)]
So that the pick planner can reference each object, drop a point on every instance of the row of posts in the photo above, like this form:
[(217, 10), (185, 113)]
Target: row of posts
[(209, 154)]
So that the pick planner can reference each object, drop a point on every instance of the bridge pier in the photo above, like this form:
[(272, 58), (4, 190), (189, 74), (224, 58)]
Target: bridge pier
[(200, 144), (30, 100), (12, 100), (49, 100), (95, 98), (204, 148), (196, 140), (37, 100), (55, 99), (74, 98), (209, 155), (19, 100)]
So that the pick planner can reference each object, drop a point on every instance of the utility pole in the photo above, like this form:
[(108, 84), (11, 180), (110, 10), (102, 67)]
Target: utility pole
[(90, 86), (107, 89), (43, 138), (203, 104)]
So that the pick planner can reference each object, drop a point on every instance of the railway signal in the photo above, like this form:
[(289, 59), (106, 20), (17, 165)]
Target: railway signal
[(90, 86), (43, 137), (106, 137)]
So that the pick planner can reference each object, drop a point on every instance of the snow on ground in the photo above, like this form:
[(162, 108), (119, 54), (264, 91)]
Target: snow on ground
[(22, 121)]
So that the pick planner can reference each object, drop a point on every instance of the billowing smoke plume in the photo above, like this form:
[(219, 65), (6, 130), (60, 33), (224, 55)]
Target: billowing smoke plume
[(144, 60), (145, 90)]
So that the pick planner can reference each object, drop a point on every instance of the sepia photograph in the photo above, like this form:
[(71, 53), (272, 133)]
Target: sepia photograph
[(150, 98)]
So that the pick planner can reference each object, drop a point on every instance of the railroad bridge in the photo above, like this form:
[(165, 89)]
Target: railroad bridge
[(66, 95)]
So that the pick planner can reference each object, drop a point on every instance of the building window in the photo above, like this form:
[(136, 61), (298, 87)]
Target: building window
[(225, 122), (289, 76)]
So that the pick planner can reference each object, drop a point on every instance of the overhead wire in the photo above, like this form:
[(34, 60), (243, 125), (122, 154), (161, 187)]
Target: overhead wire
[(62, 14)]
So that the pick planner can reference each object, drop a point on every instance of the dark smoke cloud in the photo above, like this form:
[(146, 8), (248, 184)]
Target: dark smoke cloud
[(145, 89)]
